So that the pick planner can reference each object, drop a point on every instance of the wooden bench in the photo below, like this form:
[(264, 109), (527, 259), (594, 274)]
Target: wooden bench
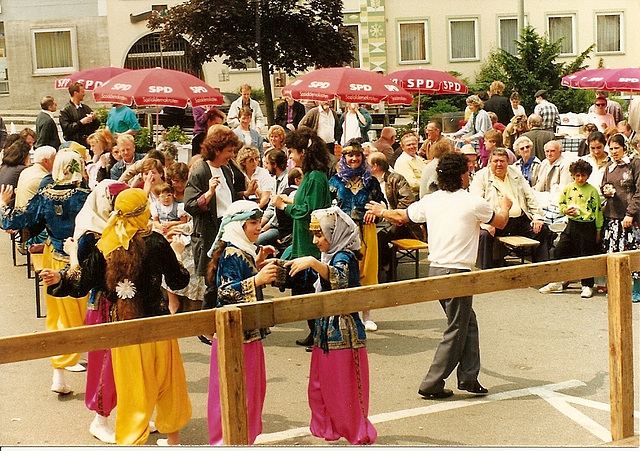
[(405, 251), (36, 262), (518, 246)]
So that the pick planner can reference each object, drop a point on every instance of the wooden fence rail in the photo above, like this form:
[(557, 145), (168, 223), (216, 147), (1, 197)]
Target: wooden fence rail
[(230, 321)]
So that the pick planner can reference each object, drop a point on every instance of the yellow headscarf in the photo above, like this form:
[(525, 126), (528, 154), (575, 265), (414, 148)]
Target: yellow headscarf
[(131, 214)]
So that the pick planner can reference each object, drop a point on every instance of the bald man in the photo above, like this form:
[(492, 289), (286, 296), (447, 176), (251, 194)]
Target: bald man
[(386, 142)]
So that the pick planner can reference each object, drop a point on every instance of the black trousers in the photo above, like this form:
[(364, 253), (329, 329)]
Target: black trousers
[(578, 240), (516, 226)]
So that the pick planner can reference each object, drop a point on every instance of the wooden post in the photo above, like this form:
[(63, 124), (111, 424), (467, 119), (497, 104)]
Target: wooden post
[(233, 390), (620, 346)]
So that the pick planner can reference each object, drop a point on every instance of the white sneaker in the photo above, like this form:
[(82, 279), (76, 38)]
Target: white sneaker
[(152, 427), (587, 292), (162, 442), (370, 326), (77, 368), (553, 287), (61, 388), (100, 429)]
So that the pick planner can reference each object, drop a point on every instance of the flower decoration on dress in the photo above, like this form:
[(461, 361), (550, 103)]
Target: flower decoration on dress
[(126, 289)]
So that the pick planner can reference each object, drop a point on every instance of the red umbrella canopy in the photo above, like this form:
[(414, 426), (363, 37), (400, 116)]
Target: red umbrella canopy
[(155, 87), (605, 79), (428, 81), (90, 78), (349, 85)]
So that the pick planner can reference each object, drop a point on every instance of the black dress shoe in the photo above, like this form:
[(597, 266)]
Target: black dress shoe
[(473, 387), (306, 342), (204, 339), (445, 393), (309, 349)]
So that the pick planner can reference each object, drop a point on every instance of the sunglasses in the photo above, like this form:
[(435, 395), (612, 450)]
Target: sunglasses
[(525, 147), (601, 104)]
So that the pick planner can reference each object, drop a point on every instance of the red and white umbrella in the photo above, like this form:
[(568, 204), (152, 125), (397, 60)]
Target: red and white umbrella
[(90, 78), (349, 85), (428, 81), (605, 79), (157, 87)]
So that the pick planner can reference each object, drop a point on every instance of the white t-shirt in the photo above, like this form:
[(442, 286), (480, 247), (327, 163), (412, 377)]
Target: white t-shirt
[(351, 128), (266, 182), (453, 226), (157, 207), (223, 193)]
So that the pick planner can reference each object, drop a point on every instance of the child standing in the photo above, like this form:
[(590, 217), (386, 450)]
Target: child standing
[(240, 272), (339, 374), (580, 201)]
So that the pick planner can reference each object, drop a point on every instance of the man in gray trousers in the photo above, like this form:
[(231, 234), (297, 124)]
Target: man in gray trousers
[(453, 218)]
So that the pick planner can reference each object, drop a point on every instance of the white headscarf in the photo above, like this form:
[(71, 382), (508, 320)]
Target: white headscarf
[(339, 230), (231, 230), (68, 167), (95, 212)]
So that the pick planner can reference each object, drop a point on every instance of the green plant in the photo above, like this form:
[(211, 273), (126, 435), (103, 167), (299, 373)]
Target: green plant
[(102, 113), (143, 139), (257, 94), (535, 66), (176, 134)]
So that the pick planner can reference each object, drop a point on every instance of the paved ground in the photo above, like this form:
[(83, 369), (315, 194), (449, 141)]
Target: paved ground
[(544, 359)]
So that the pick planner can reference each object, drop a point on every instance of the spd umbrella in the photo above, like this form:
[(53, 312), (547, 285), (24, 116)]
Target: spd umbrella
[(157, 87), (347, 84), (428, 81), (605, 79), (90, 78)]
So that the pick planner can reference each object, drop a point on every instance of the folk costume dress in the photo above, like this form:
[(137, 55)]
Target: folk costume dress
[(339, 373), (236, 285), (353, 189), (150, 375), (100, 393), (55, 207)]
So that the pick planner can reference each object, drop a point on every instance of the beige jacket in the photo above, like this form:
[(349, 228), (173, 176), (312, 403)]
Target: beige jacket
[(483, 185)]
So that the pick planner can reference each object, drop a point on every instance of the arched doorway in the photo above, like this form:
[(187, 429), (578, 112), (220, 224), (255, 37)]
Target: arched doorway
[(149, 52)]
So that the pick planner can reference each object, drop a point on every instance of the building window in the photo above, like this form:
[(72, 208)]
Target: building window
[(4, 71), (148, 52), (413, 42), (609, 33), (508, 29), (463, 39), (55, 51), (561, 27), (355, 33)]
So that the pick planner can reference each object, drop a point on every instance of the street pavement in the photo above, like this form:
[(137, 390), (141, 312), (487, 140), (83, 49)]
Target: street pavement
[(544, 360)]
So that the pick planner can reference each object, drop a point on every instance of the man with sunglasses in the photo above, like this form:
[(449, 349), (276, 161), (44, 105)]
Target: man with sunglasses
[(599, 116)]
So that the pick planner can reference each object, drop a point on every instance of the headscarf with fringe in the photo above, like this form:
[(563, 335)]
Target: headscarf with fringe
[(131, 215)]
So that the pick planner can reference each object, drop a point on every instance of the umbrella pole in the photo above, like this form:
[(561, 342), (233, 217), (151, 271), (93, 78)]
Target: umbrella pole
[(418, 121), (157, 126)]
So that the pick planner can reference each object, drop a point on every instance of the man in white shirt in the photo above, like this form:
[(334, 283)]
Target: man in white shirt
[(453, 246), (257, 119), (408, 164), (324, 121)]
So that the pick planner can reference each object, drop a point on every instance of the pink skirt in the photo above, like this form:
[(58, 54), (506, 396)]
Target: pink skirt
[(100, 394), (256, 380), (339, 396)]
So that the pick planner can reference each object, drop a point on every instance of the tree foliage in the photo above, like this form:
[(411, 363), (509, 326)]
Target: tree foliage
[(534, 67), (288, 35)]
